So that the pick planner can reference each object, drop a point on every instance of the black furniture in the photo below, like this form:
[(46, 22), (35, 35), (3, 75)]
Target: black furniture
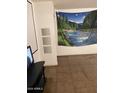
[(35, 74), (36, 78)]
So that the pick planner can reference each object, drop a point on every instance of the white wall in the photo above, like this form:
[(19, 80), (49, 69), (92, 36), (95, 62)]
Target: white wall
[(44, 18), (90, 49), (66, 50), (31, 32)]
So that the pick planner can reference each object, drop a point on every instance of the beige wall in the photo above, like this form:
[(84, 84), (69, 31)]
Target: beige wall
[(90, 49), (44, 18), (65, 50), (31, 35)]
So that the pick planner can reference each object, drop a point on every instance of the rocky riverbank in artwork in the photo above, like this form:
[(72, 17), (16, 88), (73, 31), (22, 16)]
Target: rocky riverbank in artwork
[(79, 38)]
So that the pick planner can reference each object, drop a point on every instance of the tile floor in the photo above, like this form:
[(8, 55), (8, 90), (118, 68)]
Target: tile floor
[(74, 74)]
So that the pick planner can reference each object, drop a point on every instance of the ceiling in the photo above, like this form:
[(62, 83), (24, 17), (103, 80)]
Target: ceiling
[(72, 4)]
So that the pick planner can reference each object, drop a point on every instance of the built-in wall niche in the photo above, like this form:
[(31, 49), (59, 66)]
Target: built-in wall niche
[(45, 31), (46, 39), (47, 49)]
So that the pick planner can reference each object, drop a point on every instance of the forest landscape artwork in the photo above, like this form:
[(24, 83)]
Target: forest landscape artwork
[(77, 29)]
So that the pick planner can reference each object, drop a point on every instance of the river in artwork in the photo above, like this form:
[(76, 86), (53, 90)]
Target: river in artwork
[(79, 38)]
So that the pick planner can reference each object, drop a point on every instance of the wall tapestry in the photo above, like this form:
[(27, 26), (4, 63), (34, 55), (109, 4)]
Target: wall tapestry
[(77, 29)]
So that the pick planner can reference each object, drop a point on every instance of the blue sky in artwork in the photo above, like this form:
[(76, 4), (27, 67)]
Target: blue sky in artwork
[(74, 17)]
